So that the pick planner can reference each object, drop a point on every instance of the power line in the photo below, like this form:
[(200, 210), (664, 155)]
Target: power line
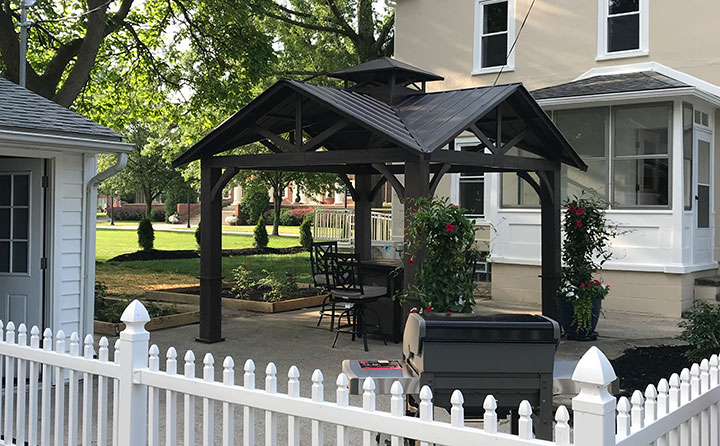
[(512, 47)]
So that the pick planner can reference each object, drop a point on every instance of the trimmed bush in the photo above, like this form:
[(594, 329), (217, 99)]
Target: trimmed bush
[(254, 204), (127, 214), (306, 237), (157, 216), (261, 235), (146, 234), (286, 218), (197, 234), (299, 214)]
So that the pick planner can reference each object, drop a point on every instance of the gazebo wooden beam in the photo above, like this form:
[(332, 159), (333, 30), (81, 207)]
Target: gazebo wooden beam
[(228, 175), (394, 182), (492, 161), (307, 159), (210, 256)]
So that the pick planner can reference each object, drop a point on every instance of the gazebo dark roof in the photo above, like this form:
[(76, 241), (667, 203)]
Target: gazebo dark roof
[(386, 124)]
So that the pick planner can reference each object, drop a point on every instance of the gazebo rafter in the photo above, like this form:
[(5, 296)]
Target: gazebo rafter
[(382, 125)]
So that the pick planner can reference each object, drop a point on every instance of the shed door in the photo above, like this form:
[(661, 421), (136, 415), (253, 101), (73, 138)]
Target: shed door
[(21, 241)]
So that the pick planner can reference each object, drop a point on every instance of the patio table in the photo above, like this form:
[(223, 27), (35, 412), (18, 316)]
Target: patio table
[(386, 272)]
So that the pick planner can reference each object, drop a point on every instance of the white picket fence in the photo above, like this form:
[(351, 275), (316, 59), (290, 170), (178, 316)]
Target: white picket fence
[(57, 407), (332, 224)]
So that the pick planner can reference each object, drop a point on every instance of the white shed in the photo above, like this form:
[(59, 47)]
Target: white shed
[(48, 201)]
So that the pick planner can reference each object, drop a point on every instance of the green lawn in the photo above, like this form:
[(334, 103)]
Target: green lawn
[(225, 228), (113, 242)]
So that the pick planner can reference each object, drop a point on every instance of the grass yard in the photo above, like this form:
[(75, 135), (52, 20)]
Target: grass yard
[(225, 228), (113, 242)]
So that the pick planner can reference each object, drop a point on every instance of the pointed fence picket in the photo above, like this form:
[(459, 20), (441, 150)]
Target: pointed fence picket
[(683, 409)]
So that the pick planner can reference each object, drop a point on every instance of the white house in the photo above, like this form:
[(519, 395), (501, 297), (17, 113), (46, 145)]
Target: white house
[(48, 201)]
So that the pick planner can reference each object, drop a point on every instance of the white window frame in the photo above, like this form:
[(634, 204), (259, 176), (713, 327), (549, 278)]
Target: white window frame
[(477, 45), (455, 182), (603, 14)]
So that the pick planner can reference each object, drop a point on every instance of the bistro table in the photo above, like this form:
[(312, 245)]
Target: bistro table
[(386, 272)]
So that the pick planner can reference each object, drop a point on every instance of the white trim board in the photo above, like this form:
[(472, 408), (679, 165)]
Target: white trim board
[(65, 143)]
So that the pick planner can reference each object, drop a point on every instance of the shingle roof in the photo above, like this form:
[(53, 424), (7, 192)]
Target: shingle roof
[(21, 109), (616, 83)]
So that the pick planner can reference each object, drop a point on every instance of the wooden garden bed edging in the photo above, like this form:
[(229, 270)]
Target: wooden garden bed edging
[(189, 314), (177, 296)]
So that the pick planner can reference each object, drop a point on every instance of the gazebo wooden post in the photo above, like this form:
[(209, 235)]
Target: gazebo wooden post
[(550, 221), (417, 185), (363, 218), (210, 256)]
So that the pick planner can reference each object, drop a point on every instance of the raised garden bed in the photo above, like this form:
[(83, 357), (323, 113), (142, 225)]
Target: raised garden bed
[(186, 315), (306, 297)]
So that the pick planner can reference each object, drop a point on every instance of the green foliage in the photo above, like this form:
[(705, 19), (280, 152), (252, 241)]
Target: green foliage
[(255, 203), (197, 234), (146, 234), (177, 191), (243, 282), (260, 233), (279, 284), (585, 249), (446, 237), (157, 216), (701, 329), (306, 236)]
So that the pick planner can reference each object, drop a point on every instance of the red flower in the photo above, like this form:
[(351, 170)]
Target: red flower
[(580, 211), (449, 312), (412, 260), (582, 285), (428, 309), (571, 209), (579, 224), (450, 227), (414, 310)]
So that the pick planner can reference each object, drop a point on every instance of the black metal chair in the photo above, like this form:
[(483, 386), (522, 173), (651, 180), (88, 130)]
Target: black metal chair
[(348, 288), (321, 254)]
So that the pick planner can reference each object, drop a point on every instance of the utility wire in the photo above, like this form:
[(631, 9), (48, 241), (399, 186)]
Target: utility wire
[(512, 47)]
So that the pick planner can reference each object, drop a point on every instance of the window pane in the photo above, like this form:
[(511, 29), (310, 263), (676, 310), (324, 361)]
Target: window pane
[(4, 223), (623, 33), (622, 6), (20, 257), (472, 194), (20, 223), (642, 130), (495, 17), (510, 189), (494, 50), (21, 193), (687, 184), (687, 155), (5, 190), (4, 257), (703, 162), (528, 196), (641, 182), (575, 182), (585, 129), (703, 219)]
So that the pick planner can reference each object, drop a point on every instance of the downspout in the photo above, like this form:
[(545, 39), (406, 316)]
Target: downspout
[(87, 302)]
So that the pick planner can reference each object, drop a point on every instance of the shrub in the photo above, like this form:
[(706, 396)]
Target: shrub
[(286, 218), (254, 204), (279, 284), (127, 214), (306, 236), (197, 234), (146, 234), (299, 214), (157, 216), (701, 329), (243, 282), (261, 235)]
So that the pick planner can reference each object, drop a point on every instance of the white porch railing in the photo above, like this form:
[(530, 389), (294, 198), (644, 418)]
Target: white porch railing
[(331, 224), (681, 411)]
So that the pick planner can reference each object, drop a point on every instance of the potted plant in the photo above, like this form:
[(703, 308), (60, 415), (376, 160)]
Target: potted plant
[(587, 235), (444, 238)]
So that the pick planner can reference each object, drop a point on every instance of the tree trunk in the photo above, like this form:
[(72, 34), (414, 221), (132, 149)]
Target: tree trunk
[(148, 203), (277, 207)]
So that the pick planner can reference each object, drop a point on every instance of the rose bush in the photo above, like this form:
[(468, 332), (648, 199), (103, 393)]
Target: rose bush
[(444, 237)]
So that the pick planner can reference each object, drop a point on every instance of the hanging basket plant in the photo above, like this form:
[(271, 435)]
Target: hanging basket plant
[(441, 243)]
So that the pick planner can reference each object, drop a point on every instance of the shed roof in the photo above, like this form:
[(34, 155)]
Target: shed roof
[(608, 84), (21, 109), (381, 69)]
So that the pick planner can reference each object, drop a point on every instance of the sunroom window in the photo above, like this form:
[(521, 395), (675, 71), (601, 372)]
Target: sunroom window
[(623, 28), (494, 23)]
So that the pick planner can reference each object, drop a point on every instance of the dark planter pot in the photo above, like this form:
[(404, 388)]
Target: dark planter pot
[(566, 313)]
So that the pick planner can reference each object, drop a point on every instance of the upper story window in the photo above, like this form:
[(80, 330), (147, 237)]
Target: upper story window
[(623, 28), (494, 31)]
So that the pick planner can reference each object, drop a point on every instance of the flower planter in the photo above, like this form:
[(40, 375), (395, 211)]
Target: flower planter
[(190, 315), (566, 314), (180, 295)]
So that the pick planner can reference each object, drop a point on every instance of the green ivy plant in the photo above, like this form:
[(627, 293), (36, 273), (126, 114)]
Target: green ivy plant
[(243, 282), (587, 235), (444, 237), (701, 329)]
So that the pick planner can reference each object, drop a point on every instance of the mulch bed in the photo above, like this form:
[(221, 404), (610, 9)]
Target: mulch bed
[(638, 367), (157, 254), (257, 293)]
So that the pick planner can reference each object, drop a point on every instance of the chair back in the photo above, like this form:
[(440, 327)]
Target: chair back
[(321, 254), (346, 272)]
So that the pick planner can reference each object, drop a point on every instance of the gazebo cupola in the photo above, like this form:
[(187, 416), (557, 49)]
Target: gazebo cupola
[(386, 79)]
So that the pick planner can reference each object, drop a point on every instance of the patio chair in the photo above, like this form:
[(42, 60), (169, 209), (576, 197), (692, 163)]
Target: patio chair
[(348, 288), (321, 254)]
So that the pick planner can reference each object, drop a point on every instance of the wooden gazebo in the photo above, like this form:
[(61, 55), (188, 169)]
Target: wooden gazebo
[(382, 124)]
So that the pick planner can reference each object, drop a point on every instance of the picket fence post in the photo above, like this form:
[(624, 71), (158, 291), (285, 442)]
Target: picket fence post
[(134, 344), (594, 406)]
